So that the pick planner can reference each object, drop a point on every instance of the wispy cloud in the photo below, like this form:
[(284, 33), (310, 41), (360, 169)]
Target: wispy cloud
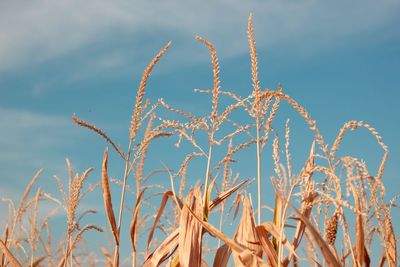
[(29, 141), (36, 32)]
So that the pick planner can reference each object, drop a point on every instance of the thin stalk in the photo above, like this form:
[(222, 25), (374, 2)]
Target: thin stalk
[(70, 251), (258, 173), (32, 255), (136, 201), (32, 252), (123, 190), (133, 259), (282, 223), (116, 256), (220, 221), (67, 248), (207, 171), (121, 205)]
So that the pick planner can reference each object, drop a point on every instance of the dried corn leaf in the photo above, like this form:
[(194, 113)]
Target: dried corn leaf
[(307, 203), (225, 195), (390, 238), (267, 246), (326, 252), (170, 244), (174, 262), (277, 218), (107, 197), (207, 200), (244, 255), (166, 196), (164, 251), (246, 233), (272, 229), (306, 209), (190, 231), (133, 226), (222, 256)]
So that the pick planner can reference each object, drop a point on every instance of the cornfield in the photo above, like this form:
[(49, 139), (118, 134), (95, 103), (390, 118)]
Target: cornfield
[(331, 212)]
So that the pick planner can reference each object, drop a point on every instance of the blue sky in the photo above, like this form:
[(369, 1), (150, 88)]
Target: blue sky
[(339, 59)]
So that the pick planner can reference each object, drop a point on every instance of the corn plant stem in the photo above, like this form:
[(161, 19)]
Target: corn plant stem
[(133, 259), (282, 225), (66, 251), (258, 173), (116, 256), (67, 248), (137, 195), (126, 173), (32, 251), (70, 251), (220, 220), (207, 171)]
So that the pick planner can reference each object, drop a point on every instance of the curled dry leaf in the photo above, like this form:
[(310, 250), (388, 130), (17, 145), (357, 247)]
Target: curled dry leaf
[(244, 255), (246, 233), (222, 256), (267, 246), (271, 229), (207, 200), (323, 246), (163, 251), (390, 238), (169, 245), (190, 231), (166, 196), (277, 218), (133, 227), (107, 197), (225, 195)]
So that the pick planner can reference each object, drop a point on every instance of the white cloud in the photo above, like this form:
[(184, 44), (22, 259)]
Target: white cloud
[(33, 32)]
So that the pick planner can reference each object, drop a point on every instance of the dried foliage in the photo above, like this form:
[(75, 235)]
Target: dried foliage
[(330, 212)]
